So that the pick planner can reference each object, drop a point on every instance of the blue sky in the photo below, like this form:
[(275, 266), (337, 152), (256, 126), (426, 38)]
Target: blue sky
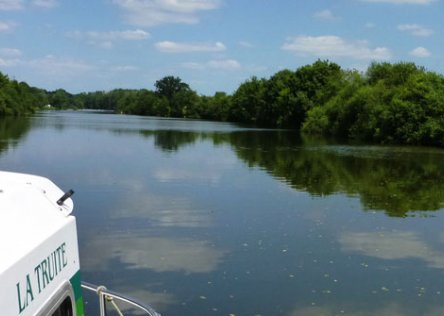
[(213, 45)]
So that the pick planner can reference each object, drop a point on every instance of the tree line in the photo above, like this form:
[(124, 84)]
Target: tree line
[(18, 98), (398, 103)]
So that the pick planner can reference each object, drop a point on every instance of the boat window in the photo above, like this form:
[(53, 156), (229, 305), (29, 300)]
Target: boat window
[(65, 309), (60, 303)]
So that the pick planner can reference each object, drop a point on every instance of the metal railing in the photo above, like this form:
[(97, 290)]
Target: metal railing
[(113, 299)]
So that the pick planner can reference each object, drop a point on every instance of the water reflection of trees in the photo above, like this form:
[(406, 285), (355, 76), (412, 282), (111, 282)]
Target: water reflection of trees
[(396, 180), (171, 140), (12, 129)]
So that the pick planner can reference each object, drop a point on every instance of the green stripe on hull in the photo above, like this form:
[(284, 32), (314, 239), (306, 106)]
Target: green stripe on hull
[(77, 287)]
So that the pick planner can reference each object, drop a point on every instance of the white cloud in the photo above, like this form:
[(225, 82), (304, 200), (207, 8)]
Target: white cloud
[(415, 29), (421, 2), (420, 52), (5, 62), (194, 65), (175, 47), (155, 12), (325, 15), (125, 68), (246, 44), (10, 57), (6, 26), (226, 64), (103, 44), (51, 65), (333, 46), (8, 5), (132, 35), (10, 52), (45, 3), (107, 39)]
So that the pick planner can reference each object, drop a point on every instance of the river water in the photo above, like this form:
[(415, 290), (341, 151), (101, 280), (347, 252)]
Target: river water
[(205, 218)]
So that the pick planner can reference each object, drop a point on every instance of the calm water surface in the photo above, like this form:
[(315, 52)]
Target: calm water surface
[(201, 218)]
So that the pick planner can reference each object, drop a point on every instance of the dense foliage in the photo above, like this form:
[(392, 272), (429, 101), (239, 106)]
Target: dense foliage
[(389, 103), (17, 98), (392, 103)]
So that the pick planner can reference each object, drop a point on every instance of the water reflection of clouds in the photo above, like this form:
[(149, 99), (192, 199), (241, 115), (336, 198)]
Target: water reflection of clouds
[(163, 211), (159, 300), (170, 175), (195, 164), (153, 253), (139, 249), (392, 246), (391, 309), (140, 202)]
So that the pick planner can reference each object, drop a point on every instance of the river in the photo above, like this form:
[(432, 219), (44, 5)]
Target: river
[(206, 218)]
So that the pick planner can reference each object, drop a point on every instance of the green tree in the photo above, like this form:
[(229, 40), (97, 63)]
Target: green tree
[(216, 107), (183, 104), (281, 108), (181, 99), (169, 86), (60, 99), (247, 101), (291, 95)]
